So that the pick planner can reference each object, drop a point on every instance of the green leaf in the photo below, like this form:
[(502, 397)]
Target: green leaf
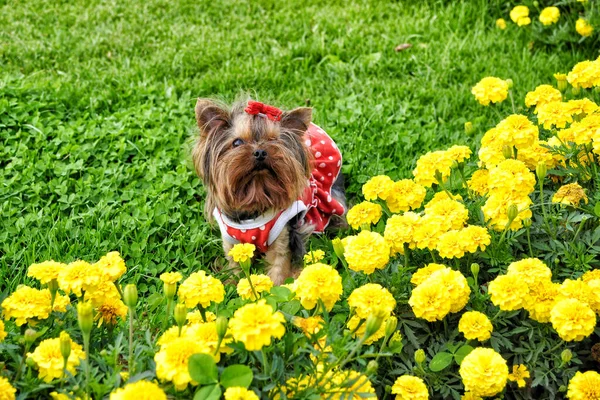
[(461, 353), (281, 293), (210, 392), (291, 307), (236, 375), (203, 369), (440, 361), (597, 209)]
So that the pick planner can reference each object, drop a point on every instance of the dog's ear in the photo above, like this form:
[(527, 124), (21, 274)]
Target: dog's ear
[(211, 117), (297, 120)]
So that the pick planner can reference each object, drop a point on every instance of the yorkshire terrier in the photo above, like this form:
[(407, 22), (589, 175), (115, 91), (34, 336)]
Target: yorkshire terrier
[(272, 178)]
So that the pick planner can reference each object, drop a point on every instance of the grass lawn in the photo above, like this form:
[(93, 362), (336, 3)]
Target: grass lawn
[(96, 108)]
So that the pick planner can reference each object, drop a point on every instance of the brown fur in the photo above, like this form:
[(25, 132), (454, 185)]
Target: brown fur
[(235, 183)]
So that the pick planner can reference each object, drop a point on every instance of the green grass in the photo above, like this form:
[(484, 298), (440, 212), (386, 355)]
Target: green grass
[(96, 108)]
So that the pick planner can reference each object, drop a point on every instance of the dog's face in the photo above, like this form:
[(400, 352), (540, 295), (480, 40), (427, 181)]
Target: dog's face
[(249, 163)]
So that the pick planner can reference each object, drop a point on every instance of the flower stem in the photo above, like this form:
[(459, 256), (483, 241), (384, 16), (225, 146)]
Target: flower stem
[(265, 362), (529, 241), (131, 361), (550, 232), (86, 347)]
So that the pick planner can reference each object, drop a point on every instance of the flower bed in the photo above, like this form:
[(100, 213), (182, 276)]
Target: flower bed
[(475, 278)]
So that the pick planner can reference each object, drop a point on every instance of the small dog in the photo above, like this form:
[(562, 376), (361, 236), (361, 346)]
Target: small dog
[(272, 178)]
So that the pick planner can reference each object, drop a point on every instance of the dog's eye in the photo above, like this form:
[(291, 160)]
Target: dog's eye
[(238, 142)]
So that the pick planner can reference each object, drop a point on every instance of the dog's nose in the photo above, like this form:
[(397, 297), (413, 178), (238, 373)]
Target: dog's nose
[(260, 155)]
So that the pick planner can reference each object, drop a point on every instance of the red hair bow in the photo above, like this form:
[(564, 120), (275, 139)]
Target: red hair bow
[(257, 108)]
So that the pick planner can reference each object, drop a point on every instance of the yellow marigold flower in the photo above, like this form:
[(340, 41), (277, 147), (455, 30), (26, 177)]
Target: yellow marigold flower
[(459, 153), (78, 276), (508, 292), (366, 252), (581, 107), (102, 293), (530, 270), (453, 211), (405, 195), (314, 256), (516, 130), (560, 77), (475, 326), (440, 196), (591, 275), (583, 27), (572, 320), (524, 21), (490, 156), (242, 252), (3, 333), (171, 278), (535, 154), (318, 282), (239, 393), (490, 89), (27, 303), (409, 387), (554, 114), (570, 194), (470, 396), (310, 326), (429, 300), (206, 335), (429, 230), (511, 177), (520, 15), (585, 74), (474, 237), (428, 164), (484, 372), (479, 182), (378, 187), (370, 299), (49, 360), (542, 94), (519, 374), (348, 385), (7, 391), (172, 361), (422, 274), (109, 310), (140, 390), (541, 299), (584, 386), (365, 213), (455, 284), (549, 15), (451, 245), (501, 23), (112, 266), (201, 289), (45, 271), (399, 229), (359, 331), (256, 324), (171, 334), (582, 291), (262, 283), (496, 207)]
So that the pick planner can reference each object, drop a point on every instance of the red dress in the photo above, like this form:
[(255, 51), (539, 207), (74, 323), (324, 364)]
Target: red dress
[(316, 205)]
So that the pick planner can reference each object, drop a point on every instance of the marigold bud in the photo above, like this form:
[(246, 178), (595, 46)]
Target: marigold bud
[(510, 83), (85, 317), (180, 314), (372, 367), (507, 151), (30, 336), (390, 326), (475, 269), (222, 323), (512, 211), (562, 84), (438, 177), (566, 356), (469, 127), (576, 90), (541, 171), (53, 287), (65, 345), (30, 362), (130, 295), (170, 289), (527, 222), (420, 356), (536, 4), (338, 247), (562, 388), (373, 324)]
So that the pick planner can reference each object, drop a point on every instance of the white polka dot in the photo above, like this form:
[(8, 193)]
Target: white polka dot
[(318, 154), (339, 163), (322, 165), (308, 142), (322, 178), (243, 230), (233, 236), (262, 227), (329, 199), (331, 157), (265, 244), (322, 142), (253, 237), (329, 174)]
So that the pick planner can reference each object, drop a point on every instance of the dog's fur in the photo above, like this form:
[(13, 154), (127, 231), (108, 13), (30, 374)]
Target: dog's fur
[(244, 189)]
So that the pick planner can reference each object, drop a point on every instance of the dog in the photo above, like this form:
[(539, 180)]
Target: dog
[(272, 178)]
